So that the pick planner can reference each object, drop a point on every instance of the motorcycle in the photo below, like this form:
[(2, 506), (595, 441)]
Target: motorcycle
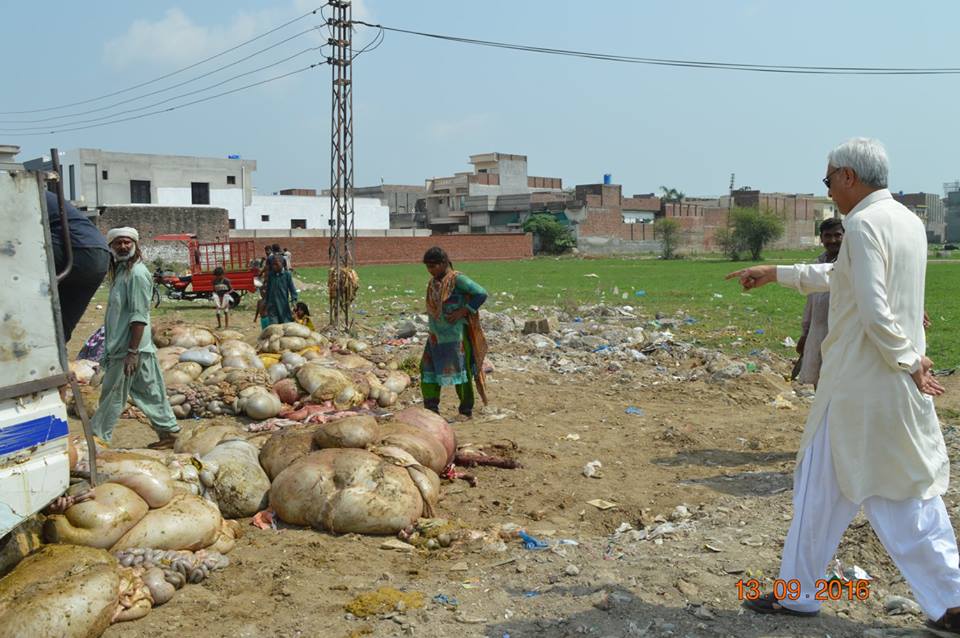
[(176, 288)]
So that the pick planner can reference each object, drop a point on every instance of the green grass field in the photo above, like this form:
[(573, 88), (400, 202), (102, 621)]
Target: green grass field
[(725, 316)]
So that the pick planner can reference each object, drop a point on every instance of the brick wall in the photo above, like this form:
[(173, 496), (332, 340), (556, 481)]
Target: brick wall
[(313, 251), (207, 223), (609, 223)]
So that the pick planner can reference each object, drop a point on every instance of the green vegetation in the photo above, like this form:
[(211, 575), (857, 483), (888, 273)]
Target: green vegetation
[(667, 230), (751, 230), (555, 238), (725, 316)]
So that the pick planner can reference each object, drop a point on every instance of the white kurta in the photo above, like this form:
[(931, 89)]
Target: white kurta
[(884, 433)]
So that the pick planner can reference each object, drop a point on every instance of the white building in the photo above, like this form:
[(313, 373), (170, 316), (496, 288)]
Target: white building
[(94, 178), (308, 212)]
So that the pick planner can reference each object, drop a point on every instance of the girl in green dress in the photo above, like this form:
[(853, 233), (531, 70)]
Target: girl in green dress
[(456, 347)]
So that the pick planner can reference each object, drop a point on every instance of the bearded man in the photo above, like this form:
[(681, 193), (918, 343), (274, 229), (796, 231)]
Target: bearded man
[(130, 361)]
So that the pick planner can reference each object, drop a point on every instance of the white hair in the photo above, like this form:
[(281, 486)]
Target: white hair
[(866, 157)]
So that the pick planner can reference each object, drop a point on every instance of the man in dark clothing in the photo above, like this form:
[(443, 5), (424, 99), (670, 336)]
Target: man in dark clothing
[(91, 260)]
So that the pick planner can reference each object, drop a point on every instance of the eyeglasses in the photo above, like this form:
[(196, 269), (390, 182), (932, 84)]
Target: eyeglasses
[(826, 180)]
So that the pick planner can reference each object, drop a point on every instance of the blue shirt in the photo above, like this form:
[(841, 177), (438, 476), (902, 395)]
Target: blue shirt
[(83, 234)]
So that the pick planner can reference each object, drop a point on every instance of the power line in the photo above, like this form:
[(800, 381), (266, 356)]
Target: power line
[(170, 99), (372, 45), (180, 106), (171, 87), (702, 64), (166, 75)]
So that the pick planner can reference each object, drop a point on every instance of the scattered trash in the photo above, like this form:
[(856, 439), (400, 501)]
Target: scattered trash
[(898, 606), (397, 545), (789, 343), (459, 567), (571, 570), (592, 275), (593, 469), (529, 542), (640, 293), (712, 548), (469, 620), (603, 505), (759, 331), (717, 295), (856, 573), (680, 513), (751, 366), (446, 601), (572, 437), (634, 411), (531, 594), (782, 403)]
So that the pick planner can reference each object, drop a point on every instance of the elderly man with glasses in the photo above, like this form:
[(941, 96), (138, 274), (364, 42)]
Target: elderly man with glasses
[(872, 438)]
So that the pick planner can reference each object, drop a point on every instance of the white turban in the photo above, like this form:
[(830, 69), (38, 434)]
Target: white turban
[(125, 231)]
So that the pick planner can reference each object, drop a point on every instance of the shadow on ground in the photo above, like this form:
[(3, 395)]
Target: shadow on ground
[(616, 612), (724, 458), (747, 483)]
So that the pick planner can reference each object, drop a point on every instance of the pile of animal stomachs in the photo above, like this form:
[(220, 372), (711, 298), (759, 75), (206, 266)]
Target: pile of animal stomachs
[(118, 550), (333, 459), (211, 374)]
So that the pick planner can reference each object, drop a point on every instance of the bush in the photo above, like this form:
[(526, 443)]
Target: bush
[(668, 232), (555, 238), (753, 229), (728, 243)]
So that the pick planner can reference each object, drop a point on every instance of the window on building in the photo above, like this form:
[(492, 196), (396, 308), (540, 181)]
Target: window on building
[(231, 179), (139, 191), (73, 187), (103, 175), (298, 223), (264, 218), (233, 223), (200, 193)]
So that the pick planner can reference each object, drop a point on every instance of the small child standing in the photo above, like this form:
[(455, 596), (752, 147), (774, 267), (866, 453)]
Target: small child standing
[(222, 296), (261, 312), (301, 314)]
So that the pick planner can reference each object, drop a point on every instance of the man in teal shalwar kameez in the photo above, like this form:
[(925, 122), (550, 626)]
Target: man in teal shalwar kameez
[(130, 361)]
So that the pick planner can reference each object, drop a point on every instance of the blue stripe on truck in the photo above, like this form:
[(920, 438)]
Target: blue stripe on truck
[(30, 433)]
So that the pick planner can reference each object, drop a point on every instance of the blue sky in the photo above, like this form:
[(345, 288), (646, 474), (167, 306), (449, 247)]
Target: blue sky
[(422, 106)]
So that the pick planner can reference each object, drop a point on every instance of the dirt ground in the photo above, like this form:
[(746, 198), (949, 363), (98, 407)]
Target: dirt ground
[(719, 449)]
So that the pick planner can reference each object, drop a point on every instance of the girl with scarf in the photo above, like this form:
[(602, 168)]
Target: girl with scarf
[(456, 347)]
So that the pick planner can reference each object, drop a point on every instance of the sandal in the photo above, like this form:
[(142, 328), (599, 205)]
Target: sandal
[(166, 442), (948, 622), (767, 604)]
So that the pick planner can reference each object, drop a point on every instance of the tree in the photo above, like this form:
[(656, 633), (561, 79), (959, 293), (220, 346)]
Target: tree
[(555, 238), (729, 243), (754, 229), (672, 195), (668, 231)]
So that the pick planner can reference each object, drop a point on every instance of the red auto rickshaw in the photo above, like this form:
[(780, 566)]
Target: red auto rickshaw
[(236, 256)]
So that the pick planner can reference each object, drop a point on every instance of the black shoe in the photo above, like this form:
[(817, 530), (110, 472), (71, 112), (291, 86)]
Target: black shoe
[(767, 604)]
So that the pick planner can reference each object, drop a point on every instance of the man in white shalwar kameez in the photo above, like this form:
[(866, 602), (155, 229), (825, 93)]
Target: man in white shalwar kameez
[(872, 439)]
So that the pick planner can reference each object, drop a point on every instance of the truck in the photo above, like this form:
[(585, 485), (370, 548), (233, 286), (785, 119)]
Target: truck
[(34, 457)]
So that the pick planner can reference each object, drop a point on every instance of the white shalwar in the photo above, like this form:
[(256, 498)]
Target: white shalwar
[(915, 532)]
